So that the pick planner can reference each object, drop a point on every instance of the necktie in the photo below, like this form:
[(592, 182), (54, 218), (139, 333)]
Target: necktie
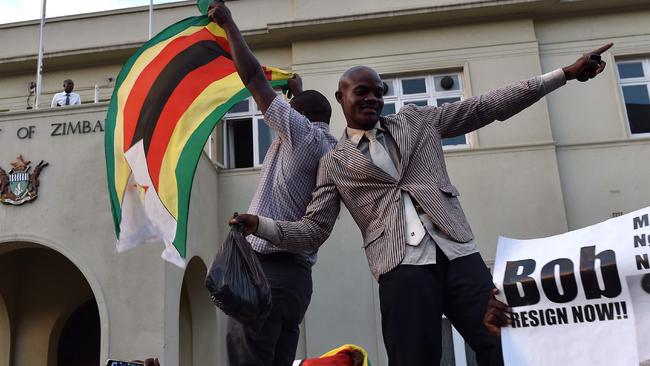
[(414, 229), (67, 99)]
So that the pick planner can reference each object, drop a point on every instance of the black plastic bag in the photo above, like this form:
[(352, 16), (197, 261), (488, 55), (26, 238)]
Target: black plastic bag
[(237, 283)]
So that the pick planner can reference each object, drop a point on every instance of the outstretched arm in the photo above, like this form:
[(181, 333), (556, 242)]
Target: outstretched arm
[(459, 118), (248, 67)]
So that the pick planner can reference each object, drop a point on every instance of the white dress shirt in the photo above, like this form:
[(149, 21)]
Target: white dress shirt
[(59, 99)]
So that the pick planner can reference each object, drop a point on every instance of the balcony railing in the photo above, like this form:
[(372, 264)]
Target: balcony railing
[(88, 94)]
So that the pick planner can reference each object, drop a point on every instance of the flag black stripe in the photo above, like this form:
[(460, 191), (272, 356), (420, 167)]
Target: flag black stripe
[(195, 56)]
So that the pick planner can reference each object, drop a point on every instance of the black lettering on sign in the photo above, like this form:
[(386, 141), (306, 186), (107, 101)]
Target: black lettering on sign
[(569, 289), (26, 132), (608, 270), (76, 128), (56, 129), (514, 317), (98, 125), (642, 262), (520, 288), (518, 274), (641, 240), (640, 222), (599, 312), (539, 318)]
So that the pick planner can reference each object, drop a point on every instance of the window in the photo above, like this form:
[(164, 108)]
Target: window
[(634, 78), (425, 90), (242, 139)]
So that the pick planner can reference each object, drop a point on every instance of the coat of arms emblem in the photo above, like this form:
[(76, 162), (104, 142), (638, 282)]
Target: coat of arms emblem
[(20, 185)]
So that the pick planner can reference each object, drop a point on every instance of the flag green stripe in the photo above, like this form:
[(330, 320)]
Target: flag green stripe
[(109, 148)]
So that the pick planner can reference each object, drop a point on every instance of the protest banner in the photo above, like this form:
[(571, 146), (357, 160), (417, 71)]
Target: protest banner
[(580, 298)]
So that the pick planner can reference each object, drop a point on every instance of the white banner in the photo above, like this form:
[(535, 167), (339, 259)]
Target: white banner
[(580, 298)]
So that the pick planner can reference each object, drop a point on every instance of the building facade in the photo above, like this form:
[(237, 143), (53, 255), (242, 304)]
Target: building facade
[(577, 157)]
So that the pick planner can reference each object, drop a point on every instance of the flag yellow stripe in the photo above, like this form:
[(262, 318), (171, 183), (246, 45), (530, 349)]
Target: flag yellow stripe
[(278, 74), (213, 96)]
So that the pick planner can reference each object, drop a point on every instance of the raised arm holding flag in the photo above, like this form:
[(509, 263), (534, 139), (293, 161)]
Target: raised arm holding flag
[(287, 179), (167, 100)]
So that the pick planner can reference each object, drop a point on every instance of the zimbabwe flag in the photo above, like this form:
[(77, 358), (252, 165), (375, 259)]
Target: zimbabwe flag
[(346, 355), (167, 100)]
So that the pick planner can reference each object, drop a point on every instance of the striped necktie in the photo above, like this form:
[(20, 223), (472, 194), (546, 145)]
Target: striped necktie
[(67, 98)]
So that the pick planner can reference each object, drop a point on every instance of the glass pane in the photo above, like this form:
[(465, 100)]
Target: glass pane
[(630, 70), (414, 86), (391, 88), (241, 143), (637, 104), (239, 107), (265, 137), (447, 358), (389, 108), (446, 83), (458, 140), (442, 101)]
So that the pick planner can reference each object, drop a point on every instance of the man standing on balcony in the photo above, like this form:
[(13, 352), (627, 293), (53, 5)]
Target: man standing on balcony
[(66, 97), (287, 179), (391, 175)]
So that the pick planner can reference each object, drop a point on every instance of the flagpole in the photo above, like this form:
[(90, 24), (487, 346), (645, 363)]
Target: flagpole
[(150, 18), (39, 66)]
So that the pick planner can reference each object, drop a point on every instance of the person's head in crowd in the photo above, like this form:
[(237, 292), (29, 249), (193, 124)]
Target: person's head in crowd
[(312, 105), (361, 96), (68, 85)]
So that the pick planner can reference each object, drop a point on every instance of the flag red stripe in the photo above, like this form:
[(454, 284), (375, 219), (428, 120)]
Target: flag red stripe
[(145, 80), (187, 91)]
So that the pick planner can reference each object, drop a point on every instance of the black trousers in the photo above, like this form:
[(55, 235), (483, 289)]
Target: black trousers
[(275, 343), (413, 299)]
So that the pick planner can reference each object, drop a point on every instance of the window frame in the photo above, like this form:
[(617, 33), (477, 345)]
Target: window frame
[(645, 80), (253, 116), (431, 95)]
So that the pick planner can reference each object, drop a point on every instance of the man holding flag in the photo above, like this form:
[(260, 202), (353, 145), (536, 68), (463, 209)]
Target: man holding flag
[(287, 179)]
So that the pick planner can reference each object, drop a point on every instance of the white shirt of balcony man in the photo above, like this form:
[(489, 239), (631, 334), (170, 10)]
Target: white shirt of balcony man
[(66, 97)]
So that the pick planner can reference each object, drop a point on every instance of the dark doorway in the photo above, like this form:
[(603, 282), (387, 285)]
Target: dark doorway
[(79, 344)]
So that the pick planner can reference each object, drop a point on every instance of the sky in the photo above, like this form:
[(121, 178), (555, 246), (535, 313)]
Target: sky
[(19, 10)]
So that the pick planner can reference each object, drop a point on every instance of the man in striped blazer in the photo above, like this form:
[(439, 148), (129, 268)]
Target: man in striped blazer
[(390, 173)]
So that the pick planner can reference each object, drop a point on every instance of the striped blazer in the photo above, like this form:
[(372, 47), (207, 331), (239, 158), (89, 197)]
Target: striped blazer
[(373, 197)]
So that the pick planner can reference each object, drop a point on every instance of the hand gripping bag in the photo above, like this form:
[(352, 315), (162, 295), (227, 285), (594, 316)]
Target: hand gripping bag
[(236, 282)]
